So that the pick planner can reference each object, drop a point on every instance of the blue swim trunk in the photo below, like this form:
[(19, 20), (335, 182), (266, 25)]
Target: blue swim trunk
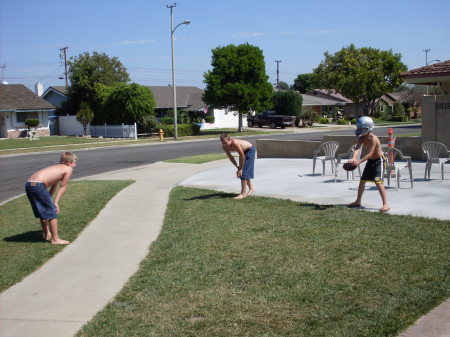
[(41, 201), (249, 164)]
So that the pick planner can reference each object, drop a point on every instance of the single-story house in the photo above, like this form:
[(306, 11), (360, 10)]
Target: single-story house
[(322, 104), (386, 103), (189, 99), (56, 95), (341, 103), (18, 103), (435, 109)]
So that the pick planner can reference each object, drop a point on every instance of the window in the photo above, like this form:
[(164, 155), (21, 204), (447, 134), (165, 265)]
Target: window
[(22, 116)]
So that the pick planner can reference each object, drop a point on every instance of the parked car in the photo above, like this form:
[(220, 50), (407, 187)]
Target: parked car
[(271, 119)]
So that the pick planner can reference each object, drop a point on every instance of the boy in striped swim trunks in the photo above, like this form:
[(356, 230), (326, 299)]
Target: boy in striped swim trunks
[(245, 169), (373, 172)]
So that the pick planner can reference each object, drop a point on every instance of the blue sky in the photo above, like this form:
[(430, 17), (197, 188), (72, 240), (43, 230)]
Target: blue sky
[(138, 33)]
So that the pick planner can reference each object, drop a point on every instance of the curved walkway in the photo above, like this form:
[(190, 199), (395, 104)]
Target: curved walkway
[(67, 291), (72, 287)]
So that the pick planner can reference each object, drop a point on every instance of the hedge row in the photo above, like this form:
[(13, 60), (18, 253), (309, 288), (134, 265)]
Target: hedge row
[(183, 129)]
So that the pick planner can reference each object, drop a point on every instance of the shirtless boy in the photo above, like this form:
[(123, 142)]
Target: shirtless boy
[(373, 172), (40, 197), (245, 169)]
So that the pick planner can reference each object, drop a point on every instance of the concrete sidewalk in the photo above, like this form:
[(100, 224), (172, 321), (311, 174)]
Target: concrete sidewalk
[(72, 287), (66, 292)]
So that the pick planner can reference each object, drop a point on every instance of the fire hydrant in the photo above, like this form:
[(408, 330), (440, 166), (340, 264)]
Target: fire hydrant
[(161, 135)]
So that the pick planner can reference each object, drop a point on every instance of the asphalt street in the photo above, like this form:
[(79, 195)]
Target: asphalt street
[(16, 169)]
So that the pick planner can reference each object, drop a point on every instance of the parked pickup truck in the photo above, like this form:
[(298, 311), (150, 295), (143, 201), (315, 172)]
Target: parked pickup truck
[(271, 119)]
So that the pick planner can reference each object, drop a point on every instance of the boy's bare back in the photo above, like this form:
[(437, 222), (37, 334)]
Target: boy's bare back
[(52, 175), (235, 143)]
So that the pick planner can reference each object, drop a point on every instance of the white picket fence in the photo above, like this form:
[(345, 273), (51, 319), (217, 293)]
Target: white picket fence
[(114, 131), (69, 126)]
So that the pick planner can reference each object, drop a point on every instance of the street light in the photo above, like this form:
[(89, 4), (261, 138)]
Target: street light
[(172, 30)]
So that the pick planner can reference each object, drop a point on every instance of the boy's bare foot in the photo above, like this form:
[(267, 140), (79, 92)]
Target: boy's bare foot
[(47, 237), (240, 196), (384, 209), (59, 242), (354, 205), (250, 192)]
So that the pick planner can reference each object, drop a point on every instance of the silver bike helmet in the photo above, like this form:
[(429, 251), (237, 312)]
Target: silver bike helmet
[(364, 125)]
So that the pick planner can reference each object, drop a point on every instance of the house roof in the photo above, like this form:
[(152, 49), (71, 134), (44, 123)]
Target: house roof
[(60, 89), (19, 97), (187, 97), (330, 92), (312, 100), (433, 73)]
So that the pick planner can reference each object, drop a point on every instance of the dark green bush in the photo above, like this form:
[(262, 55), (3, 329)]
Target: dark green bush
[(342, 122), (32, 122), (209, 119), (323, 120), (167, 120), (353, 121), (183, 129)]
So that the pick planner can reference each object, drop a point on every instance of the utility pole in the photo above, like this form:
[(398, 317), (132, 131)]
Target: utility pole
[(3, 67), (278, 72), (63, 55)]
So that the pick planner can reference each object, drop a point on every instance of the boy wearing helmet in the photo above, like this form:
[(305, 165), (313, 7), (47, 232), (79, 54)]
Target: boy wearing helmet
[(373, 172)]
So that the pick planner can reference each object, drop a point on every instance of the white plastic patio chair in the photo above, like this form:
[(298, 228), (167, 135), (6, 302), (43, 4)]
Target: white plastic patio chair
[(329, 150), (394, 165), (344, 157), (433, 150)]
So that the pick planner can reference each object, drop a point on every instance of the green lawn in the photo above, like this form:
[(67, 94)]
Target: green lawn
[(16, 143), (22, 248), (199, 159), (61, 143), (269, 267), (412, 134), (380, 122)]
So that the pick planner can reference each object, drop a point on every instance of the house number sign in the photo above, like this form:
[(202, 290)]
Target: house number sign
[(442, 106)]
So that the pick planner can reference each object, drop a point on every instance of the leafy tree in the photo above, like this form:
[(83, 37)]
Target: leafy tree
[(303, 83), (130, 103), (85, 71), (283, 86), (238, 80), (85, 116), (399, 109), (99, 103), (287, 103), (362, 75)]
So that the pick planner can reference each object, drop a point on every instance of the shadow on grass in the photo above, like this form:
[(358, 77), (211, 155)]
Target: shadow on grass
[(317, 206), (213, 195), (30, 236)]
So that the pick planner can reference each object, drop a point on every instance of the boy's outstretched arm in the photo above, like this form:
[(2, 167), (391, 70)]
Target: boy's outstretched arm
[(241, 160), (63, 187), (230, 156), (356, 152)]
